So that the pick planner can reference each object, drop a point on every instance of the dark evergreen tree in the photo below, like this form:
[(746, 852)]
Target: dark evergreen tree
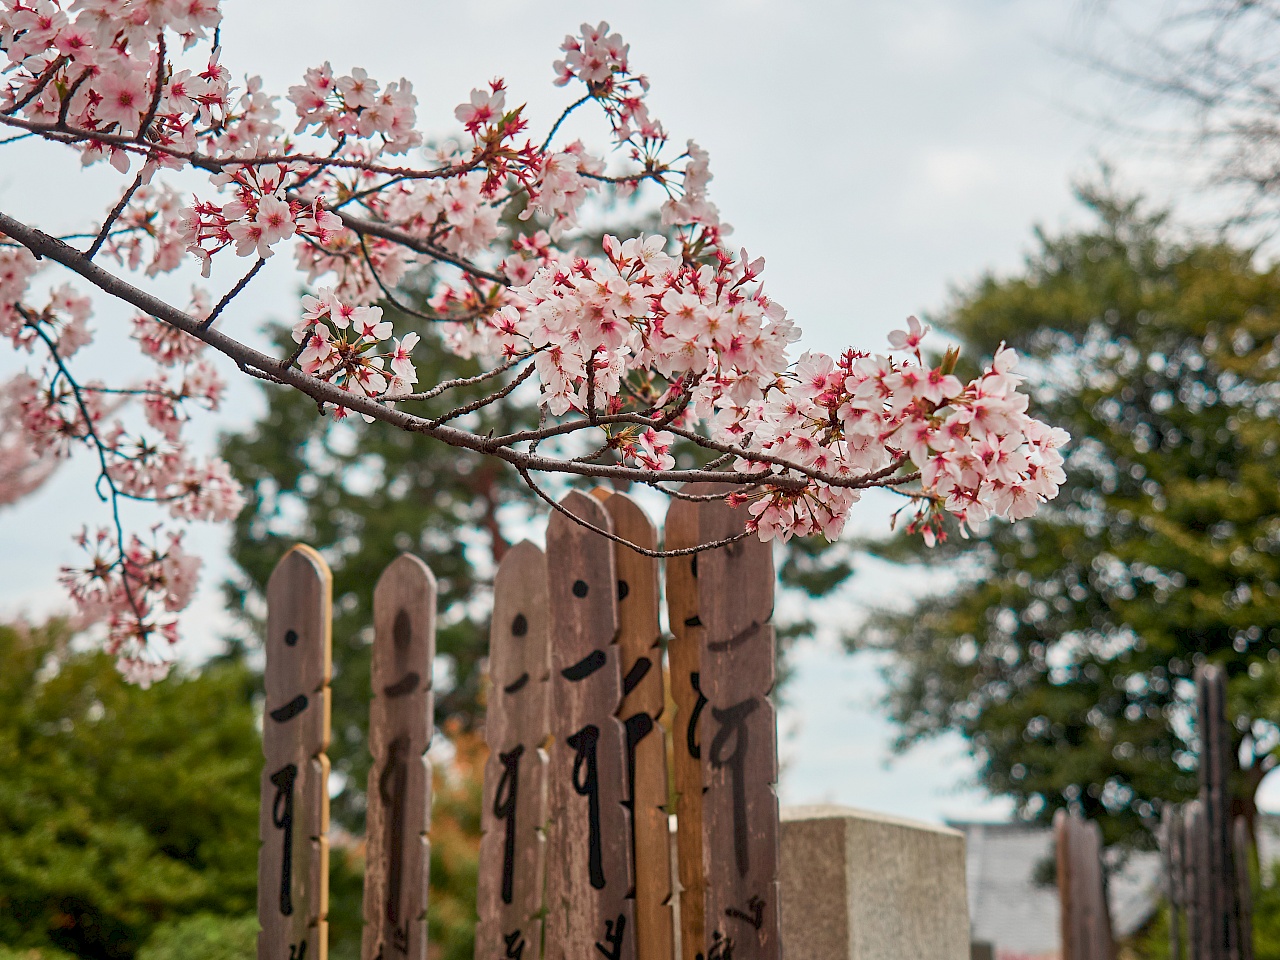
[(1065, 650)]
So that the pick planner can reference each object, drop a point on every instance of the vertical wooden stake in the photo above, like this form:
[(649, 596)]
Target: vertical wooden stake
[(399, 795), (1084, 915), (1222, 935), (517, 723), (640, 654), (1171, 847), (684, 662), (1244, 886), (1193, 876), (589, 876), (293, 821), (739, 740)]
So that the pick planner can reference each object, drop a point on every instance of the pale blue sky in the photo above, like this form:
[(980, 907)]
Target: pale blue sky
[(875, 153)]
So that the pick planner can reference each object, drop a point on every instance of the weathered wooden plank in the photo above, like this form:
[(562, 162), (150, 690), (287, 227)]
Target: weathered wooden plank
[(1084, 916), (293, 825), (1193, 876), (684, 665), (644, 699), (1243, 844), (1171, 843), (399, 794), (739, 739), (514, 811), (589, 873), (1220, 930)]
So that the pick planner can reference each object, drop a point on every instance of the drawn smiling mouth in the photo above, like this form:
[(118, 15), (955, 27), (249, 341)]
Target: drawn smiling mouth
[(516, 685)]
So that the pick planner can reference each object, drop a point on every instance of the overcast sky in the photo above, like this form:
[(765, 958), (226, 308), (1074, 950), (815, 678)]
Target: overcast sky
[(877, 154)]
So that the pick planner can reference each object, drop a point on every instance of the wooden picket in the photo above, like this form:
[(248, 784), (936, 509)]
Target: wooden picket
[(640, 662), (514, 810), (293, 819), (399, 795), (739, 739), (589, 871), (1085, 918), (684, 666), (575, 855), (1206, 850)]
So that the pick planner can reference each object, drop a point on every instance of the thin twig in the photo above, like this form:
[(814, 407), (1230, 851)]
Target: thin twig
[(156, 92), (447, 385), (561, 119), (112, 217), (475, 405), (233, 293), (643, 551)]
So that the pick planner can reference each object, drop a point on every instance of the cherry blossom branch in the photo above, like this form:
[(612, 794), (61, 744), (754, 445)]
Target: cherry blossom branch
[(42, 245), (104, 471)]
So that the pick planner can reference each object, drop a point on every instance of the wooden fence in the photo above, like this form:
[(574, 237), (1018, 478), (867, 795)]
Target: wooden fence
[(576, 856), (1205, 858)]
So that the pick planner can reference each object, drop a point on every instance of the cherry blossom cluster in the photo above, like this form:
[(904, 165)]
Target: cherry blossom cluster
[(136, 589), (138, 592), (22, 469), (975, 450), (260, 217), (338, 344), (599, 59), (644, 341), (355, 106)]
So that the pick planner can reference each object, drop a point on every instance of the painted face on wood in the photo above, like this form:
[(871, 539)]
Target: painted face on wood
[(509, 895), (294, 817)]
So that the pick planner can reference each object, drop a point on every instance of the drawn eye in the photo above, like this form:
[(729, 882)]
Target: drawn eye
[(519, 626), (579, 588), (623, 590), (291, 638), (402, 630)]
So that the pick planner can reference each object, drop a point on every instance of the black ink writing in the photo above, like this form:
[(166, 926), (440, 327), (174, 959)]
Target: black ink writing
[(515, 686), (638, 727), (298, 951), (290, 709), (392, 789), (721, 948), (733, 730), (504, 808), (282, 818), (586, 783), (755, 917), (585, 667), (404, 686), (611, 948), (402, 629), (637, 673), (515, 945)]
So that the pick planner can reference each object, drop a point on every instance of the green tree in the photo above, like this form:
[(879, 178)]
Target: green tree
[(120, 808), (1063, 647)]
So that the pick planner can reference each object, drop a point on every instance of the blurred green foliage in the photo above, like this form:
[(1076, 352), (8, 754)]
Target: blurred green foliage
[(205, 936), (120, 808)]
